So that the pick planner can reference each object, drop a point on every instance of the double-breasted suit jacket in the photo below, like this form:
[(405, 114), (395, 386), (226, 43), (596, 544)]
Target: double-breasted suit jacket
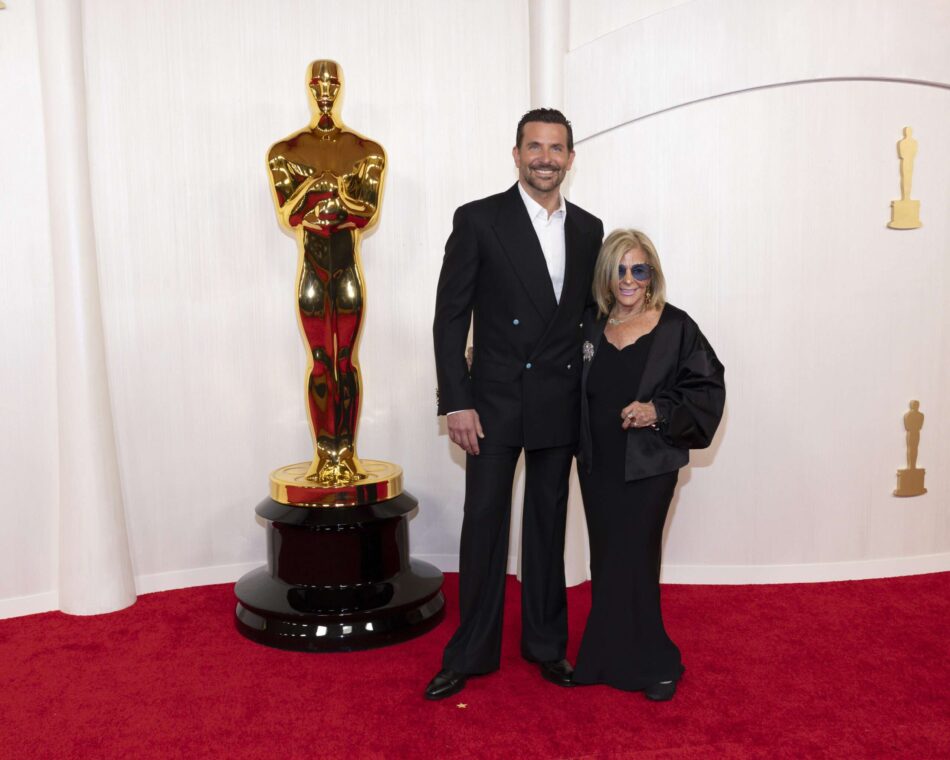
[(525, 374)]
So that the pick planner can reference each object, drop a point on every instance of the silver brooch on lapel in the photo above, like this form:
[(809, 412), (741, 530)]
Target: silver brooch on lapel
[(588, 349)]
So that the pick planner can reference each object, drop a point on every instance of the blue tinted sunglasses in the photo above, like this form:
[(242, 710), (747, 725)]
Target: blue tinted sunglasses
[(639, 272)]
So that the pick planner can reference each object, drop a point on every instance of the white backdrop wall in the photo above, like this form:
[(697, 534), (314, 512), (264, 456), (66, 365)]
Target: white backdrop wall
[(755, 141), (198, 280), (205, 362), (768, 208), (28, 437)]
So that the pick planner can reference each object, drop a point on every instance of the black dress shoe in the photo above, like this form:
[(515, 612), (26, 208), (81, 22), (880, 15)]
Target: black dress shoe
[(445, 684), (558, 672), (660, 692)]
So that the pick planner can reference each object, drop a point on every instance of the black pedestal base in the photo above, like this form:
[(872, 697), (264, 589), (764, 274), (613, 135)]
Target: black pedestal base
[(338, 579)]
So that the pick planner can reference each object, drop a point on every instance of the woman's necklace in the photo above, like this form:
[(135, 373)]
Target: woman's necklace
[(615, 321)]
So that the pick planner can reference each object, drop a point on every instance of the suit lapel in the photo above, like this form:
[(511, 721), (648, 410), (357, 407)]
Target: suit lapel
[(573, 281), (521, 245)]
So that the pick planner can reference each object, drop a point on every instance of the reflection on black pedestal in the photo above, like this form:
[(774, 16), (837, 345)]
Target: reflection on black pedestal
[(338, 578)]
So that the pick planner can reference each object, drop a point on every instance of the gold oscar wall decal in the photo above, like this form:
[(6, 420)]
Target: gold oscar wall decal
[(326, 184), (910, 482), (905, 213)]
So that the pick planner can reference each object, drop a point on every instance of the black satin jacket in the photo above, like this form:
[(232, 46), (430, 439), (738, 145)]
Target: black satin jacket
[(684, 380)]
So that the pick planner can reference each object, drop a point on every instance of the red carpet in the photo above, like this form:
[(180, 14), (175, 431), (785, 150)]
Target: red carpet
[(838, 670)]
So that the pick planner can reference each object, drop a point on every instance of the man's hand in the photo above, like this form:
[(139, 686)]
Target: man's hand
[(465, 429)]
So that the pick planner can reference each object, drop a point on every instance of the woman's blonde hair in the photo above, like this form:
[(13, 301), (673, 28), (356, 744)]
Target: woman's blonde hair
[(606, 271)]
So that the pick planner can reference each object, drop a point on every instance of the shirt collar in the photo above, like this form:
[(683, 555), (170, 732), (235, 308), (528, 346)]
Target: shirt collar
[(536, 210)]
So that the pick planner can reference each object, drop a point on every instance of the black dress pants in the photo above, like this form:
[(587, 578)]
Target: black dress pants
[(483, 557)]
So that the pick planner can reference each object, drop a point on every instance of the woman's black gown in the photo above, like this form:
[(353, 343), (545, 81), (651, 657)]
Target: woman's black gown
[(625, 644)]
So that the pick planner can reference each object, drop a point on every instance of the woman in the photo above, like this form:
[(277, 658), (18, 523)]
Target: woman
[(652, 388)]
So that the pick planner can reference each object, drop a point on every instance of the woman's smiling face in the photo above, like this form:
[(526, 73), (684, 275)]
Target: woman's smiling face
[(629, 293)]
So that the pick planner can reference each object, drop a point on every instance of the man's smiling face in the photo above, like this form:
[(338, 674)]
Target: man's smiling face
[(542, 158)]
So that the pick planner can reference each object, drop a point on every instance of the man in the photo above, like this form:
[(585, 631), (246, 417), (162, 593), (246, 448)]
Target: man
[(522, 262)]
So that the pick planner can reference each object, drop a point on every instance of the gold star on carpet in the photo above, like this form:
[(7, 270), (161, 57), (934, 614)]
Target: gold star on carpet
[(461, 705)]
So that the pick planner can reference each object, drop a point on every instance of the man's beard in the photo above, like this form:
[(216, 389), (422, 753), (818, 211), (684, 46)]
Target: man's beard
[(544, 185)]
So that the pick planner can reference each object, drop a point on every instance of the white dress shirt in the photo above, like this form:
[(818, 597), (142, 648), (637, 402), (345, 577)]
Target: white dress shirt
[(550, 232)]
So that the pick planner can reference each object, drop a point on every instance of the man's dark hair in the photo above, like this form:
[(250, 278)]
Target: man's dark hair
[(548, 116)]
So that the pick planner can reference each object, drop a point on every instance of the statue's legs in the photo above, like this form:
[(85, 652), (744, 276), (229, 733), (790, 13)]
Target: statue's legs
[(348, 302), (330, 300), (913, 443)]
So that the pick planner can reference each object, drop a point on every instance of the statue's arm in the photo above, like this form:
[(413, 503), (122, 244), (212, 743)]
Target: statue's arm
[(360, 189), (290, 181)]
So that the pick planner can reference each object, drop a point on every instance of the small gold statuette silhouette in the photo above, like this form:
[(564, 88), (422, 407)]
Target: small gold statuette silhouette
[(326, 182), (910, 482), (905, 213)]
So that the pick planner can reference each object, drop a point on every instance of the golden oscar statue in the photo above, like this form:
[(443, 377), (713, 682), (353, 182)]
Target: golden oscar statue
[(339, 574), (327, 182), (910, 482)]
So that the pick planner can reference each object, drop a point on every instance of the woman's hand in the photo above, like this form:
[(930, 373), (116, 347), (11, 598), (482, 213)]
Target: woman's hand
[(638, 415)]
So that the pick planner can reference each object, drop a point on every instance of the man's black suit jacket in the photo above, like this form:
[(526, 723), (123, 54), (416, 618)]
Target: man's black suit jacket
[(525, 375)]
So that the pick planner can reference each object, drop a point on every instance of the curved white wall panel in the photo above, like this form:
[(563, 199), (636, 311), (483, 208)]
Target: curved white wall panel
[(769, 209), (764, 174), (706, 48)]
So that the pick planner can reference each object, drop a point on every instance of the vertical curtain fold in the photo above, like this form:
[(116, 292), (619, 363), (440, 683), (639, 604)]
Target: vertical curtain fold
[(95, 568)]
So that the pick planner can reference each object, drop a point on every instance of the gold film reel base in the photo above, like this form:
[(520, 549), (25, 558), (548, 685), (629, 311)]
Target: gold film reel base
[(290, 485)]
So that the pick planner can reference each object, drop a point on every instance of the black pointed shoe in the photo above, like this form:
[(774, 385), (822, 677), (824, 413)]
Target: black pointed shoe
[(557, 672), (660, 692), (445, 684)]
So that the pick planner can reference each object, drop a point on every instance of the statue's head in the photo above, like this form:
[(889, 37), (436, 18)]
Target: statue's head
[(326, 84), (914, 406), (908, 132)]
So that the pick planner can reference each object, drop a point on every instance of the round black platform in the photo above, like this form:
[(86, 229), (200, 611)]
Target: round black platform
[(338, 579)]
